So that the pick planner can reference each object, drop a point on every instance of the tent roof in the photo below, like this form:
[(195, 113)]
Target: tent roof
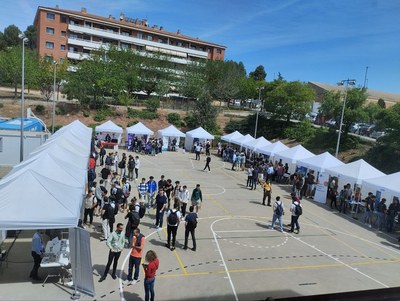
[(200, 133), (242, 140), (295, 153), (229, 137), (272, 149), (170, 131), (257, 143), (388, 182), (358, 170), (321, 161), (139, 129), (109, 126)]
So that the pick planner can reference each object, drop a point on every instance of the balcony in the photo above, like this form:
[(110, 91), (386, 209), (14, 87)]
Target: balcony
[(77, 55), (116, 36)]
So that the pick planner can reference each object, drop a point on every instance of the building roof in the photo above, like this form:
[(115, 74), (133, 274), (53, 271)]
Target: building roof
[(127, 24), (373, 95)]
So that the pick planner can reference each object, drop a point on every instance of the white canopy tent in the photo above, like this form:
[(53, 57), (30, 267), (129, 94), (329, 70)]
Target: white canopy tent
[(320, 162), (138, 131), (110, 128), (168, 135), (354, 172), (45, 192), (271, 149), (292, 155), (387, 186), (197, 135), (229, 137), (256, 143), (241, 141)]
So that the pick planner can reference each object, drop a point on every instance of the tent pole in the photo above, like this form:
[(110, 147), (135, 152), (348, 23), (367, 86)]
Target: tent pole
[(76, 295)]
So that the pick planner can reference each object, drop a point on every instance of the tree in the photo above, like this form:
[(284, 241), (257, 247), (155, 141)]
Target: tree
[(258, 74), (10, 36), (290, 99), (371, 112), (31, 34), (381, 103), (203, 114)]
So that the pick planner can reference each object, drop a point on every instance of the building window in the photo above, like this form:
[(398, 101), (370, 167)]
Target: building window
[(139, 35), (48, 58), (193, 47), (179, 44), (149, 38), (125, 33), (209, 50), (63, 19), (51, 16), (124, 46), (219, 51), (62, 47), (63, 33), (49, 45), (50, 30), (73, 35)]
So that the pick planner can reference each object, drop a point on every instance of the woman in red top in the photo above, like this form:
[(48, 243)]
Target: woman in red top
[(150, 269)]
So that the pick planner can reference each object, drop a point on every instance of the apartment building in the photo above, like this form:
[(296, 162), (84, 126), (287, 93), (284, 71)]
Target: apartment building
[(66, 34)]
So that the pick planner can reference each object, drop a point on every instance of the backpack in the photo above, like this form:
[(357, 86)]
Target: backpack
[(134, 219), (172, 218), (131, 164), (109, 212), (139, 240), (108, 161), (298, 210), (121, 164), (142, 210), (192, 224), (118, 194), (279, 209)]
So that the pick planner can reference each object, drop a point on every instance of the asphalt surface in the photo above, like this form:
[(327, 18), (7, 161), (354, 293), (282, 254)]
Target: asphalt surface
[(238, 256)]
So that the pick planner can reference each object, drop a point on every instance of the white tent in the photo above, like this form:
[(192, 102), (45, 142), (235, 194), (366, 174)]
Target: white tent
[(197, 135), (168, 134), (271, 149), (241, 141), (387, 186), (354, 172), (292, 155), (110, 128), (138, 131), (320, 162), (229, 137), (256, 143)]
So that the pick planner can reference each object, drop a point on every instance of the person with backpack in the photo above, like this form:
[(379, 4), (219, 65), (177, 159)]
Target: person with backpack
[(391, 214), (138, 241), (190, 226), (133, 222), (173, 219), (131, 167), (381, 213), (369, 209), (296, 210), (342, 199), (197, 198), (279, 211)]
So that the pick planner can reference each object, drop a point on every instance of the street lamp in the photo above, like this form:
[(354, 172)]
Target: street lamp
[(346, 83), (21, 145), (54, 97), (259, 98)]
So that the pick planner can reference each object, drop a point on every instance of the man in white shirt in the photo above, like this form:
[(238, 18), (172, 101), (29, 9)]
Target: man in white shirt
[(184, 199)]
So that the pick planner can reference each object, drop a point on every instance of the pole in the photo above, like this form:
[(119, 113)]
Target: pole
[(21, 145), (341, 122), (259, 98), (54, 97)]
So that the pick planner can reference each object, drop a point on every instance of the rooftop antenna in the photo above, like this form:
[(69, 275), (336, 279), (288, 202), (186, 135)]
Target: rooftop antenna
[(365, 78)]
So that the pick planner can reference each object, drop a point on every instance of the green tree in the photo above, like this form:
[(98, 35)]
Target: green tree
[(193, 80), (258, 74), (203, 114), (372, 111), (290, 100), (10, 36), (31, 34), (381, 103)]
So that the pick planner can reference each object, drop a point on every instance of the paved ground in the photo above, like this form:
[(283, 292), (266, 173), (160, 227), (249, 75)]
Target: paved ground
[(238, 257)]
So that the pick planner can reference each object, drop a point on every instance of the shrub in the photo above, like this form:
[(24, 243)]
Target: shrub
[(86, 113), (103, 113), (174, 118), (301, 131), (1, 105), (60, 111), (152, 104), (133, 113), (40, 109)]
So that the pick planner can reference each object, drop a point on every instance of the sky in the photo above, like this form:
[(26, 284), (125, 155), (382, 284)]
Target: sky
[(307, 40)]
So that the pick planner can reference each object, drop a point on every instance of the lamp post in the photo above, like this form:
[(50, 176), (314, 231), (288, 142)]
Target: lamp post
[(346, 83), (21, 144), (54, 97), (259, 98)]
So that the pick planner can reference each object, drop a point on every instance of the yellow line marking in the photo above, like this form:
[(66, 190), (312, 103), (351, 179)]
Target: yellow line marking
[(322, 266), (176, 255)]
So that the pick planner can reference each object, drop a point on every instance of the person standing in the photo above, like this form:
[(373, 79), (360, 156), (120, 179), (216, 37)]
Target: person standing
[(249, 172), (296, 210), (151, 190), (279, 210), (131, 167), (197, 198), (160, 205), (190, 226), (102, 154), (115, 243), (138, 241), (184, 199), (142, 190), (208, 160), (137, 166), (267, 188), (37, 254), (173, 219), (197, 149), (150, 269), (90, 204), (254, 178)]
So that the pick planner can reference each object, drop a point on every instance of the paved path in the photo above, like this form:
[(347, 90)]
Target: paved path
[(238, 256)]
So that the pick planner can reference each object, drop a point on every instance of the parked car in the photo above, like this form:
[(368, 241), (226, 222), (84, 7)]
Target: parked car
[(330, 123), (377, 133), (312, 116), (366, 129)]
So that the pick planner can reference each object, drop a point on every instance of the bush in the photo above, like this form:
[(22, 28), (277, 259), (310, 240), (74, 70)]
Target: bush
[(152, 104), (174, 118), (60, 111), (1, 105), (86, 113), (103, 113), (133, 113), (40, 109), (301, 131)]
